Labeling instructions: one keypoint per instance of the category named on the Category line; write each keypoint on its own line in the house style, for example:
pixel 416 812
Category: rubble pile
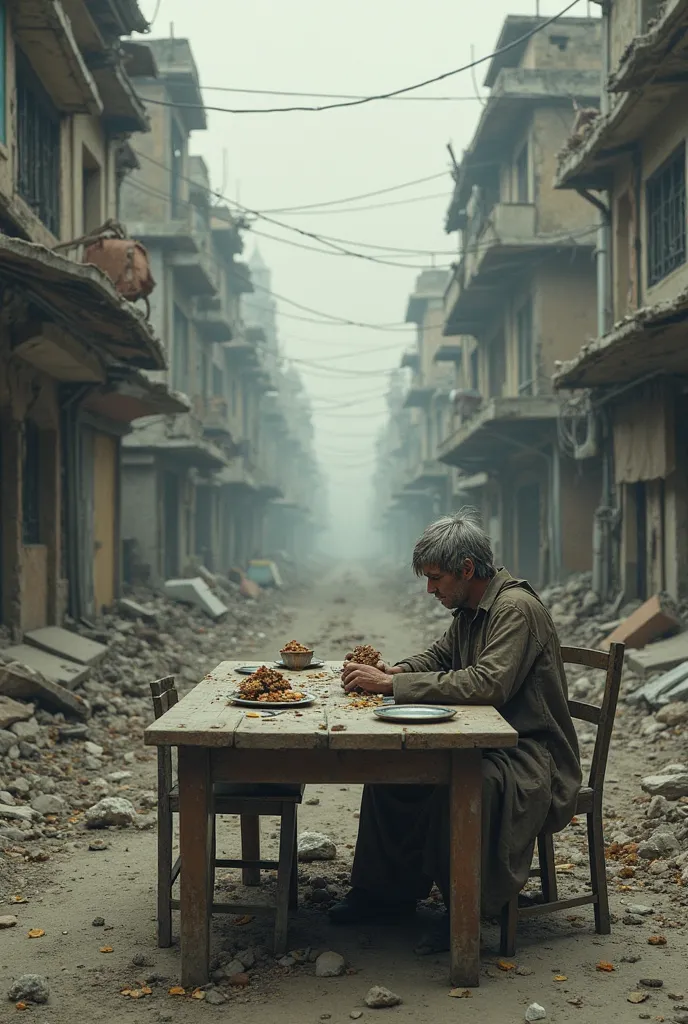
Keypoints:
pixel 60 776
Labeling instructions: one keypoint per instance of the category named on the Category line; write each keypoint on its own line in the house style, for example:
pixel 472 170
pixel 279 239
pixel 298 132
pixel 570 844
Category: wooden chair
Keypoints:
pixel 250 803
pixel 589 803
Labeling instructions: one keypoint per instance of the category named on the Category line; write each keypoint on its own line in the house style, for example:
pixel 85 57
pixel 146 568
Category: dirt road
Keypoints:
pixel 556 963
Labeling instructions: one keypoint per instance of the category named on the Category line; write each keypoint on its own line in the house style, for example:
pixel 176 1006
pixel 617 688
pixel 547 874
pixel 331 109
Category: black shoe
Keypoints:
pixel 360 907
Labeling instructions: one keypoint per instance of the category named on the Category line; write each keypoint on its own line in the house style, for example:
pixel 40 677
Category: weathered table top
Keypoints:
pixel 206 717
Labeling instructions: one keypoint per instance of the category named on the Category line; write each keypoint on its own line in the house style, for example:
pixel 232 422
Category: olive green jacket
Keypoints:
pixel 506 654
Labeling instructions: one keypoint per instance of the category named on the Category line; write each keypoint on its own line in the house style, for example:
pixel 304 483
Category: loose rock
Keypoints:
pixel 316 846
pixel 535 1012
pixel 113 810
pixel 661 843
pixel 48 803
pixel 672 785
pixel 379 998
pixel 29 988
pixel 7 921
pixel 330 965
pixel 214 997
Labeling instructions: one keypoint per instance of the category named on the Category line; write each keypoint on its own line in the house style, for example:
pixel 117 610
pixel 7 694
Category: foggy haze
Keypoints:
pixel 270 161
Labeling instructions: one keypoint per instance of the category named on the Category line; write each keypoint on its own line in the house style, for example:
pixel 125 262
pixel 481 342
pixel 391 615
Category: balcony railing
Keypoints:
pixel 38 147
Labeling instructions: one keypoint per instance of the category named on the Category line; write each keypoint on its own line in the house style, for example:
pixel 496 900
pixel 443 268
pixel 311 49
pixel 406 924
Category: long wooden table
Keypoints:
pixel 328 742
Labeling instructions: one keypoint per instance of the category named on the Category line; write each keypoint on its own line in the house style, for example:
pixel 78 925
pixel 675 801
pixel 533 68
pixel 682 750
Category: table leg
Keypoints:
pixel 195 841
pixel 465 802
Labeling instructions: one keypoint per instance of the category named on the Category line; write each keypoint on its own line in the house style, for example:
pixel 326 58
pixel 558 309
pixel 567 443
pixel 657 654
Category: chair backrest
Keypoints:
pixel 603 717
pixel 164 694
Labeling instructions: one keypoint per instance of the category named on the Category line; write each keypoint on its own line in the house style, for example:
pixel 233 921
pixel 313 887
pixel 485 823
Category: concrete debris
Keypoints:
pixel 53 668
pixel 658 617
pixel 535 1012
pixel 110 811
pixel 660 656
pixel 330 965
pixel 15 813
pixel 662 843
pixel 379 998
pixel 658 691
pixel 196 592
pixel 8 921
pixel 12 711
pixel 674 714
pixel 20 681
pixel 133 610
pixel 672 785
pixel 315 846
pixel 64 644
pixel 29 988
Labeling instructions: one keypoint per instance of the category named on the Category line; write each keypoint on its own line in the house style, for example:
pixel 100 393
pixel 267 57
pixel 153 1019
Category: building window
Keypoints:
pixel 180 352
pixel 524 342
pixel 31 484
pixel 177 169
pixel 474 370
pixel 666 217
pixel 38 147
pixel 522 176
pixel 3 71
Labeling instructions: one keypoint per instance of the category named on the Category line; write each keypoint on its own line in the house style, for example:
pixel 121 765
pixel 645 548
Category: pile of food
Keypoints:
pixel 294 647
pixel 364 654
pixel 267 685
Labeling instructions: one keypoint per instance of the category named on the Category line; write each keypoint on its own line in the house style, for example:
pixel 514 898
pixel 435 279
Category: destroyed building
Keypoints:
pixel 74 351
pixel 630 376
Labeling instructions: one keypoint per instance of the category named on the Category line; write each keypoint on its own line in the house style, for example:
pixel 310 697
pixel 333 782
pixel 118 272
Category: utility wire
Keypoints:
pixel 331 95
pixel 362 195
pixel 379 96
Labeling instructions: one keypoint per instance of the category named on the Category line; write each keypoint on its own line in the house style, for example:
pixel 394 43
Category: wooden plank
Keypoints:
pixel 473 726
pixel 195 844
pixel 204 717
pixel 329 766
pixel 465 804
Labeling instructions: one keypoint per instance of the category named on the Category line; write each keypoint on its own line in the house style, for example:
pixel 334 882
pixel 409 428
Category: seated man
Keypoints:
pixel 501 649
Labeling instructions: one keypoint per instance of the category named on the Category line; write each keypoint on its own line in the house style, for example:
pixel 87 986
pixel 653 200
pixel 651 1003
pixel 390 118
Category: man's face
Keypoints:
pixel 450 590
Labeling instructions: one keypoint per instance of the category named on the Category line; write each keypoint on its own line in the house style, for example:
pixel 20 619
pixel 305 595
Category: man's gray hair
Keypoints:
pixel 450 540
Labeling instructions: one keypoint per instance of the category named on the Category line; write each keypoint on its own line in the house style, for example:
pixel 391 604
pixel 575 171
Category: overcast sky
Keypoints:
pixel 271 161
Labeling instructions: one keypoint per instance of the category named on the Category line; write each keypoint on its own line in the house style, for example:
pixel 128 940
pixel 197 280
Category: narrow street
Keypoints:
pixel 557 956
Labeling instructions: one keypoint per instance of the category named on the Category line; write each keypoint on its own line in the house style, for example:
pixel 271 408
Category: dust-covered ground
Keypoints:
pixel 87 963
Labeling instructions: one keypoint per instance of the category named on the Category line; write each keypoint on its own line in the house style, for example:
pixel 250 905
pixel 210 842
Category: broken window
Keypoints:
pixel 665 193
pixel 31 485
pixel 38 146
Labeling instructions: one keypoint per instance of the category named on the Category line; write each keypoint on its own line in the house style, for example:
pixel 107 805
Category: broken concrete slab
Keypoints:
pixel 653 692
pixel 264 572
pixel 12 711
pixel 134 610
pixel 17 680
pixel 657 617
pixel 678 692
pixel 196 592
pixel 57 670
pixel 64 644
pixel 660 656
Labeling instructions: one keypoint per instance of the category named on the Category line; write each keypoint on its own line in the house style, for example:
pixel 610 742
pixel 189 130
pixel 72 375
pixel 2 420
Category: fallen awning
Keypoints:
pixel 83 300
pixel 653 339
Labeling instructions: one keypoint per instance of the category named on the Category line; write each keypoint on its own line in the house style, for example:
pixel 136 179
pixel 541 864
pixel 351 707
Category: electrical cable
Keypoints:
pixel 329 95
pixel 379 96
pixel 362 195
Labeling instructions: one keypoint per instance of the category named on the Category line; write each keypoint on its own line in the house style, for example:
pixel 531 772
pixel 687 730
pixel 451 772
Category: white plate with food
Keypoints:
pixel 300 700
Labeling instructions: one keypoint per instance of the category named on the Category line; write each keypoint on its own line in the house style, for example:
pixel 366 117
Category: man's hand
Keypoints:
pixel 366 679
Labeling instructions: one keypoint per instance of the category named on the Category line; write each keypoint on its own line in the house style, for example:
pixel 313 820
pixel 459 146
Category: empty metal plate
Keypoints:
pixel 422 714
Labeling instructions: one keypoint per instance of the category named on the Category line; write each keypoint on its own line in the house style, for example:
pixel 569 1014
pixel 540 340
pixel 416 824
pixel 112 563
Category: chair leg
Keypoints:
pixel 213 858
pixel 250 848
pixel 164 875
pixel 548 874
pixel 284 876
pixel 598 873
pixel 294 879
pixel 507 938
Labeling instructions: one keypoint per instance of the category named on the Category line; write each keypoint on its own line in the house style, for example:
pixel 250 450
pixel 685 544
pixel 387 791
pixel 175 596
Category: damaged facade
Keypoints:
pixel 197 486
pixel 73 350
pixel 521 297
pixel 630 380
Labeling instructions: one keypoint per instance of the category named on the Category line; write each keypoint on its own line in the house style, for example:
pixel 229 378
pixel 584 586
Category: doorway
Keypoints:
pixel 640 500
